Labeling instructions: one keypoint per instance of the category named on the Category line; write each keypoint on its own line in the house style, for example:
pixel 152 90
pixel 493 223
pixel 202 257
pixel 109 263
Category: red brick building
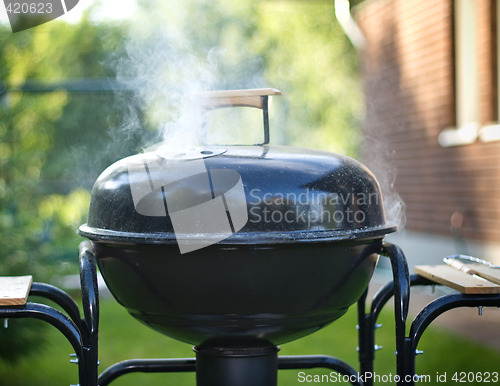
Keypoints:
pixel 430 71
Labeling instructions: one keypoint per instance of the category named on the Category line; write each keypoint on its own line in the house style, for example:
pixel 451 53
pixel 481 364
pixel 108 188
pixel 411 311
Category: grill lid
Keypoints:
pixel 236 195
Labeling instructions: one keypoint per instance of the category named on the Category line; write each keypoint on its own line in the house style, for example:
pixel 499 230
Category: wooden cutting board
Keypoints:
pixel 14 290
pixel 461 281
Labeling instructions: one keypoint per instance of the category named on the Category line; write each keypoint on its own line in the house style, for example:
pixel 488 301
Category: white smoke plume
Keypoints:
pixel 171 59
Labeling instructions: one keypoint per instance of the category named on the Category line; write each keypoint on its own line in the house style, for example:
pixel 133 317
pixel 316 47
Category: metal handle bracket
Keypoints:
pixel 258 98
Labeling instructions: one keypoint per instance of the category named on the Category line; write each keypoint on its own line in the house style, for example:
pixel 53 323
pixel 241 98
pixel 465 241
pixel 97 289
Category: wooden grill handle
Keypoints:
pixel 226 98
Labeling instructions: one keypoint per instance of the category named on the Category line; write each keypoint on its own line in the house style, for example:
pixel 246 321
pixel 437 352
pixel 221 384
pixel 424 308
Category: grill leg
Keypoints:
pixel 401 303
pixel 236 367
pixel 90 323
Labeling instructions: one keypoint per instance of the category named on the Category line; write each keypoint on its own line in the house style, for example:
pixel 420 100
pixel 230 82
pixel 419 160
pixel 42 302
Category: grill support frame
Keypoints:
pixel 82 332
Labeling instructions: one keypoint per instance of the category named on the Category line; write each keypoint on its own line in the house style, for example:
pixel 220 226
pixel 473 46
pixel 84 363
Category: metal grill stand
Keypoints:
pixel 406 345
pixel 425 317
pixel 247 367
pixel 238 367
pixel 80 332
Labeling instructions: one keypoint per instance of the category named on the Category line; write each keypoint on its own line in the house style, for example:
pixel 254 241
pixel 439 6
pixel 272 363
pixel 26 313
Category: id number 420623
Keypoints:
pixel 479 377
pixel 29 8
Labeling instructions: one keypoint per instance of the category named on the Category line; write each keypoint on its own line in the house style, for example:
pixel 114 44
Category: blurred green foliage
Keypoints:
pixel 310 59
pixel 54 145
pixel 48 146
pixel 40 197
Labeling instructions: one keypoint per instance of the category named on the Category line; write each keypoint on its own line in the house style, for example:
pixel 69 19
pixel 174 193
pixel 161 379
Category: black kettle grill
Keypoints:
pixel 237 249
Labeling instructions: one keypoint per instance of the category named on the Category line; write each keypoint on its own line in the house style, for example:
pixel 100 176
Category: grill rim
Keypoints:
pixel 249 238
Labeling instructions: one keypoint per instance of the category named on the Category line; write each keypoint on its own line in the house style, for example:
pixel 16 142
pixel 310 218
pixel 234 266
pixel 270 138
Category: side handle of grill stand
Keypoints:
pixel 90 302
pixel 258 98
pixel 80 332
pixel 400 289
pixel 401 278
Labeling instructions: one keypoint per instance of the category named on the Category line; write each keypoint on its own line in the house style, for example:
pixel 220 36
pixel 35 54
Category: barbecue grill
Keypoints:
pixel 278 242
pixel 237 249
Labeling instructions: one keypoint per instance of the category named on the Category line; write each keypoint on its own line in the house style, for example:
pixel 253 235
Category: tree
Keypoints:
pixel 308 56
pixel 43 197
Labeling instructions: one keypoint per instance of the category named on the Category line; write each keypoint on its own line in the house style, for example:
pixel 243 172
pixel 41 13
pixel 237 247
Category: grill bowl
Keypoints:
pixel 238 295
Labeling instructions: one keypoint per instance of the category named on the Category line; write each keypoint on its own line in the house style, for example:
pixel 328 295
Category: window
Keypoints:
pixel 491 132
pixel 466 77
pixel 468 121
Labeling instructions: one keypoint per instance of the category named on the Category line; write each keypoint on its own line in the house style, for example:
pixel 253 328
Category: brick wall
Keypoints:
pixel 409 88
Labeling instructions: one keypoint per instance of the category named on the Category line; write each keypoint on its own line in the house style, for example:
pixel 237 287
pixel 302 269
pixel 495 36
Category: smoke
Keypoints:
pixel 165 74
pixel 393 203
pixel 175 51
pixel 378 158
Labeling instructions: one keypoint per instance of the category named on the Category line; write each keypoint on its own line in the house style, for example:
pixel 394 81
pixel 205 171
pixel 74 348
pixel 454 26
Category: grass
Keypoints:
pixel 122 337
